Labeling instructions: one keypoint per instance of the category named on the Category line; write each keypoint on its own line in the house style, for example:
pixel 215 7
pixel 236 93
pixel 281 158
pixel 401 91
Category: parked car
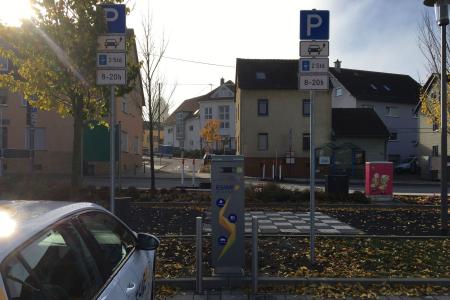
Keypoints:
pixel 407 165
pixel 62 250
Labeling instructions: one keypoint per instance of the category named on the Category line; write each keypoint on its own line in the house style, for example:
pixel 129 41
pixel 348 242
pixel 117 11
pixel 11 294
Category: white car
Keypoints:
pixel 63 250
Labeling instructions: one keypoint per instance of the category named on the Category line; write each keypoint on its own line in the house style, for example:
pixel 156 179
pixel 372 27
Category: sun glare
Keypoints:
pixel 7 225
pixel 12 12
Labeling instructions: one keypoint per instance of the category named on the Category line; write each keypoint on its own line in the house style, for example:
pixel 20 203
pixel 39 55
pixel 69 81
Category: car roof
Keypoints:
pixel 31 217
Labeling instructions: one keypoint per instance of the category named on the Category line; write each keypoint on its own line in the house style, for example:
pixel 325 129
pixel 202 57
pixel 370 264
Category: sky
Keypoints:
pixel 375 35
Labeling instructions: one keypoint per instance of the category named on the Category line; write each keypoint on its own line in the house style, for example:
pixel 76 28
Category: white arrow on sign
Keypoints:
pixel 111 43
pixel 314 48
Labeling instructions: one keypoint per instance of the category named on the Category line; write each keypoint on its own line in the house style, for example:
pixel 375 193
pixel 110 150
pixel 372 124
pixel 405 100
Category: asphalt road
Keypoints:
pixel 168 175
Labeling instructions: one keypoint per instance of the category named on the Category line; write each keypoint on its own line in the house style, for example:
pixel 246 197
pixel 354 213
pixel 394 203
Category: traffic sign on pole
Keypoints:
pixel 314 24
pixel 313 65
pixel 111 60
pixel 115 17
pixel 317 82
pixel 111 77
pixel 111 43
pixel 314 48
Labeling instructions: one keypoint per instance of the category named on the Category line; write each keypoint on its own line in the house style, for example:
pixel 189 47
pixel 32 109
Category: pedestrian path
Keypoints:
pixel 286 222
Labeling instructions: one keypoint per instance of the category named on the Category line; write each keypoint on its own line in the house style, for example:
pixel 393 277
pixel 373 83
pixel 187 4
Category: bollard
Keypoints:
pixel 273 172
pixel 198 255
pixel 254 254
pixel 182 172
pixel 264 172
pixel 279 174
pixel 193 172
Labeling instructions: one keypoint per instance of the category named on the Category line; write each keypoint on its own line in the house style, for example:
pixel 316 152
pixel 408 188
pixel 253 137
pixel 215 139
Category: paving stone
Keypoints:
pixel 257 213
pixel 289 230
pixel 291 217
pixel 297 222
pixel 302 227
pixel 342 227
pixel 320 224
pixel 273 215
pixel 286 212
pixel 283 224
pixel 182 296
pixel 234 297
pixel 442 297
pixel 331 221
pixel 278 219
pixel 268 229
pixel 333 231
pixel 264 221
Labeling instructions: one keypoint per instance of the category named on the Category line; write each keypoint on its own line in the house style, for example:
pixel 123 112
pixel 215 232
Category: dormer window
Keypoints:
pixel 373 86
pixel 386 88
pixel 260 75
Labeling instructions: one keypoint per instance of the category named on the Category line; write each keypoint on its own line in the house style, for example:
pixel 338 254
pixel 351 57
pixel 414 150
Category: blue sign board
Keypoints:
pixel 115 17
pixel 314 24
pixel 305 66
pixel 102 60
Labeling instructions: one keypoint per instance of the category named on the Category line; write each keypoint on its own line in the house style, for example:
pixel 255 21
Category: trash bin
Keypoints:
pixel 122 208
pixel 336 184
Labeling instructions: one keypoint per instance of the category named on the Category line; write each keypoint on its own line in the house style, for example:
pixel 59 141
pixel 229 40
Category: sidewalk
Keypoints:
pixel 240 295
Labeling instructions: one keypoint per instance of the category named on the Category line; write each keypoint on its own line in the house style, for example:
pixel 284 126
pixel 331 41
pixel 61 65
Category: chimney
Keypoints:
pixel 222 81
pixel 337 65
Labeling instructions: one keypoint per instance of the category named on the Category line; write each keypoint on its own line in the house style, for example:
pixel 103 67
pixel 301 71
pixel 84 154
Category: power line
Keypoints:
pixel 194 61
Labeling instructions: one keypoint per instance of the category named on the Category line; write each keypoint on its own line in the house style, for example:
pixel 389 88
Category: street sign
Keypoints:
pixel 314 24
pixel 111 77
pixel 115 17
pixel 314 48
pixel 111 60
pixel 313 65
pixel 313 82
pixel 111 43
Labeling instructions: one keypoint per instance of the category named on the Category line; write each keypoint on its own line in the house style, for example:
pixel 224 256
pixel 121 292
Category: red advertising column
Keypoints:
pixel 379 180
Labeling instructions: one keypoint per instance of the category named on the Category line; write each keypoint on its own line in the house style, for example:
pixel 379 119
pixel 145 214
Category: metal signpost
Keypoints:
pixel 111 70
pixel 313 75
pixel 227 214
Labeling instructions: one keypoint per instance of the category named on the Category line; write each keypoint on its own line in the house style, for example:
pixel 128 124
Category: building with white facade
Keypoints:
pixel 182 128
pixel 392 96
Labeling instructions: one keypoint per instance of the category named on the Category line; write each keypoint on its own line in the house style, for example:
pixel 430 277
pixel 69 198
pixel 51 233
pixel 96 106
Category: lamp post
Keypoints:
pixel 441 10
pixel 1 138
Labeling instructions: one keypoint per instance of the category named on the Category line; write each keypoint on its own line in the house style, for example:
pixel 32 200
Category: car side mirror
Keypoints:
pixel 147 241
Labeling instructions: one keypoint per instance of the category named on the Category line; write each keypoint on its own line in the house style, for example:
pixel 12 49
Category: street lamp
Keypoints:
pixel 441 10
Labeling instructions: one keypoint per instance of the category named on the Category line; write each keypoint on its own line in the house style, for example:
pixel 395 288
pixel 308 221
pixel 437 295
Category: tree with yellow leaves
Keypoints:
pixel 211 133
pixel 431 104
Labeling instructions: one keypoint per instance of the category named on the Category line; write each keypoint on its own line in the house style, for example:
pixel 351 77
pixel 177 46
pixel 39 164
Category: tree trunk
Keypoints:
pixel 77 103
pixel 152 157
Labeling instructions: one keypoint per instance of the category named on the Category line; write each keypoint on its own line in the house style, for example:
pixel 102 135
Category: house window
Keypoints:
pixel 263 107
pixel 367 106
pixel 208 113
pixel 306 107
pixel 3 64
pixel 260 75
pixel 23 101
pixel 360 157
pixel 3 97
pixel 38 141
pixel 124 141
pixel 191 128
pixel 224 116
pixel 393 136
pixel 263 141
pixel 435 150
pixel 338 91
pixel 124 106
pixel 435 126
pixel 391 111
pixel 373 86
pixel 191 142
pixel 169 130
pixel 387 88
pixel 306 141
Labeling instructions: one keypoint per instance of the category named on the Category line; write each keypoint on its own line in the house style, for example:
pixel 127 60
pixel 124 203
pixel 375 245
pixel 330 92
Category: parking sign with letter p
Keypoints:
pixel 314 24
pixel 115 17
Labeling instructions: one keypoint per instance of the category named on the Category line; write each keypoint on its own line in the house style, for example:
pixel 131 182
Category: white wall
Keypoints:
pixel 214 104
pixel 192 137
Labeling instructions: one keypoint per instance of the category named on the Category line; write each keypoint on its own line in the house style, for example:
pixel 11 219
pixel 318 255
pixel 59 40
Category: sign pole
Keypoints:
pixel 112 157
pixel 312 173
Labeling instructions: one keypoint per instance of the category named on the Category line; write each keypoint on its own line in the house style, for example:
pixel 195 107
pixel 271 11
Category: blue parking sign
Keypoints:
pixel 314 24
pixel 115 17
